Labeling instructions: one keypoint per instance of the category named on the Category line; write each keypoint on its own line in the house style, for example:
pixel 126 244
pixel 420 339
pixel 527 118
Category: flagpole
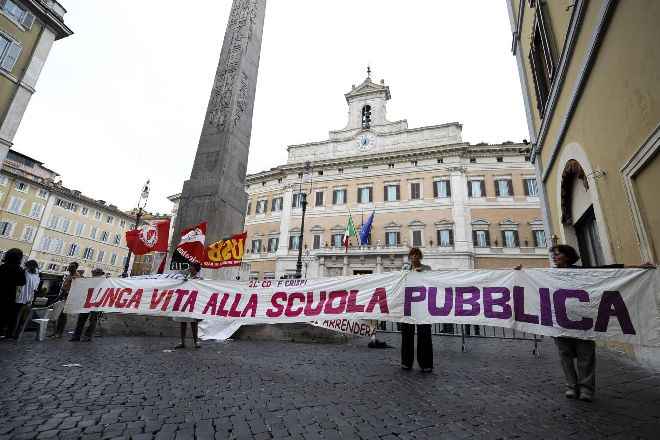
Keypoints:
pixel 142 203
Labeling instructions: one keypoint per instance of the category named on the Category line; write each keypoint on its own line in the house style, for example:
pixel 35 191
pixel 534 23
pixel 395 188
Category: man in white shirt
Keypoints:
pixel 25 295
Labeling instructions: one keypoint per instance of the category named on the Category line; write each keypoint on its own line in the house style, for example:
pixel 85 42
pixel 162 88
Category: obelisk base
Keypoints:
pixel 301 332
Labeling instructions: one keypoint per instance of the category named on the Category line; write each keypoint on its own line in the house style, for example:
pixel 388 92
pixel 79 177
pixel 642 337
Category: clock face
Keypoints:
pixel 365 142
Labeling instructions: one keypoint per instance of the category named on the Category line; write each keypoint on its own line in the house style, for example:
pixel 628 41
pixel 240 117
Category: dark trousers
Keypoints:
pixel 584 352
pixel 7 317
pixel 61 324
pixel 80 324
pixel 23 313
pixel 424 345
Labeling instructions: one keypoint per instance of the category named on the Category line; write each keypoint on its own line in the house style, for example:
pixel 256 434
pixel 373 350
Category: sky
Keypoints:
pixel 124 98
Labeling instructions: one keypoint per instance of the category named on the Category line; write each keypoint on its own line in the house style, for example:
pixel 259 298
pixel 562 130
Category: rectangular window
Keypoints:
pixel 113 259
pixel 80 228
pixel 297 200
pixel 318 198
pixel 53 267
pixel 365 194
pixel 122 224
pixel 542 58
pixel 392 238
pixel 37 210
pixel 109 219
pixel 97 215
pixel 65 225
pixel 6 229
pixel 417 238
pixel 100 257
pixel 261 207
pixel 339 197
pixel 415 191
pixel 337 240
pixel 104 236
pixel 273 244
pixel 441 189
pixel 531 188
pixel 44 244
pixel 73 250
pixel 56 246
pixel 476 188
pixel 503 188
pixel 9 53
pixel 510 239
pixel 65 204
pixel 117 239
pixel 276 204
pixel 92 234
pixel 42 193
pixel 88 254
pixel 53 222
pixel 294 242
pixel 16 205
pixel 85 210
pixel 539 238
pixel 317 242
pixel 256 246
pixel 392 193
pixel 481 238
pixel 445 238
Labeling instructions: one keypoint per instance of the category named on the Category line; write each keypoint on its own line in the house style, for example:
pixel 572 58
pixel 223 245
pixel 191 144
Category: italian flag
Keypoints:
pixel 349 232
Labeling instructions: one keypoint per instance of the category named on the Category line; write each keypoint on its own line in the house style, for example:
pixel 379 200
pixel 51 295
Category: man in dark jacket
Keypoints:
pixel 12 276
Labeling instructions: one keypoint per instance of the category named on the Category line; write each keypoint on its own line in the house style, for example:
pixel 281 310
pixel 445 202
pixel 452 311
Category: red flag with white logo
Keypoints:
pixel 191 248
pixel 149 238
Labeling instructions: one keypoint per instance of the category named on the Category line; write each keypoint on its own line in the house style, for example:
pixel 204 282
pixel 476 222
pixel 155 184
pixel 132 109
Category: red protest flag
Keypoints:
pixel 148 238
pixel 191 248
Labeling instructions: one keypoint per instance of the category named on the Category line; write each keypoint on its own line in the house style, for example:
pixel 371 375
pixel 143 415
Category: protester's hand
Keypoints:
pixel 518 267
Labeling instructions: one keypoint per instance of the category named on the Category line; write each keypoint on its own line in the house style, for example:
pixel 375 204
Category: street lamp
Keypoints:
pixel 142 202
pixel 307 260
pixel 303 195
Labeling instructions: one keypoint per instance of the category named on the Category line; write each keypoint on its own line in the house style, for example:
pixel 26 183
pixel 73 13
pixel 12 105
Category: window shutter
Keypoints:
pixel 435 189
pixel 27 21
pixel 371 194
pixel 510 184
pixel 448 183
pixel 345 198
pixel 290 241
pixel 385 199
pixel 474 238
pixel 451 237
pixel 398 192
pixel 359 195
pixel 526 186
pixel 272 205
pixel 515 239
pixel 398 238
pixel 469 188
pixel 334 197
pixel 503 239
pixel 11 56
pixel 482 184
pixel 497 188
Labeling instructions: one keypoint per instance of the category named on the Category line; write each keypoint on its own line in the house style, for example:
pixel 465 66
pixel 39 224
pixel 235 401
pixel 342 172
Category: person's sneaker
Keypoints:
pixel 405 367
pixel 179 346
pixel 427 370
pixel 570 393
pixel 586 395
pixel 198 345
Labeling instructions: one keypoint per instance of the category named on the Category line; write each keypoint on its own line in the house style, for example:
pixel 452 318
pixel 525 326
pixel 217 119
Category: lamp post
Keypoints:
pixel 142 202
pixel 303 202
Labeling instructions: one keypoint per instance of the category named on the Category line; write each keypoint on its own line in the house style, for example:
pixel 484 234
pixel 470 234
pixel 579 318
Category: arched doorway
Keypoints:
pixel 577 214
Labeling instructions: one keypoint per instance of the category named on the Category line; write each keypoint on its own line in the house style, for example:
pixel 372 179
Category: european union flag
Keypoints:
pixel 365 230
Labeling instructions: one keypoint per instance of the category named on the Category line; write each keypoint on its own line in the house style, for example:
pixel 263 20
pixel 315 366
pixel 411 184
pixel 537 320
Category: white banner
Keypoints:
pixel 608 304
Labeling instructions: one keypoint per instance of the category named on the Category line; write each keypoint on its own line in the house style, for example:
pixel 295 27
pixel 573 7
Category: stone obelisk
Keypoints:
pixel 215 192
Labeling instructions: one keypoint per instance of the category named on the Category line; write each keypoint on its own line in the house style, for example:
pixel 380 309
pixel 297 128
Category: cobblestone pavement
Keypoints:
pixel 137 388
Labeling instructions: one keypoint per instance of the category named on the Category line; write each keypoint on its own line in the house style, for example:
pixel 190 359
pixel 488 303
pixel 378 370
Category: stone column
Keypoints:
pixel 379 264
pixel 344 270
pixel 285 221
pixel 215 192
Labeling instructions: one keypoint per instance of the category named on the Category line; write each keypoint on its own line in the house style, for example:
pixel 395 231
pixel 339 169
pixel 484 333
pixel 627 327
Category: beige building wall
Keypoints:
pixel 596 142
pixel 28 29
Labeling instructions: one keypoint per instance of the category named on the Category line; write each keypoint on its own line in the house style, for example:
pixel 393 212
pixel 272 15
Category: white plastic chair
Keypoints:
pixel 49 314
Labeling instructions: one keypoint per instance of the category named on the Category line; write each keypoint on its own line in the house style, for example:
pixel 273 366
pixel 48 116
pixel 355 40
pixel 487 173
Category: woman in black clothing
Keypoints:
pixel 424 341
pixel 12 276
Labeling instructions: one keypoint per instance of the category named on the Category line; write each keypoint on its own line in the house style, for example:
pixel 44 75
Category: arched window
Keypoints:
pixel 366 116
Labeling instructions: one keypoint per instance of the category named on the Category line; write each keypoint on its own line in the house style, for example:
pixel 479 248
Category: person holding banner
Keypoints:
pixel 193 273
pixel 424 339
pixel 82 318
pixel 64 293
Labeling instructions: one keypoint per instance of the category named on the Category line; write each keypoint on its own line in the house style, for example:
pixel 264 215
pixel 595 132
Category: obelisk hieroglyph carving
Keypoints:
pixel 215 191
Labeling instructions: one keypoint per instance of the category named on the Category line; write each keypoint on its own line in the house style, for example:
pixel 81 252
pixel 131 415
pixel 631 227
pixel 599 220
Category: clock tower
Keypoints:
pixel 367 105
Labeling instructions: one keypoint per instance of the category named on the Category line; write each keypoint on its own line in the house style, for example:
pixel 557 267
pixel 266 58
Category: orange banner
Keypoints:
pixel 226 253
